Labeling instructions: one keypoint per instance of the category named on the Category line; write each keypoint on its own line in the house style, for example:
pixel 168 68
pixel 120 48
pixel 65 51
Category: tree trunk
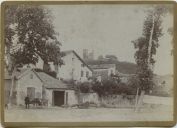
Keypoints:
pixel 140 101
pixel 136 98
pixel 12 87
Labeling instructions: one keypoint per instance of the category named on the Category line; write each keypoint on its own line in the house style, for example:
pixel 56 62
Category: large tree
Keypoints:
pixel 29 34
pixel 146 46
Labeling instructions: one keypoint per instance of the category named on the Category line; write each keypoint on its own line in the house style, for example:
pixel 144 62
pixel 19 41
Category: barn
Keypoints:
pixel 38 84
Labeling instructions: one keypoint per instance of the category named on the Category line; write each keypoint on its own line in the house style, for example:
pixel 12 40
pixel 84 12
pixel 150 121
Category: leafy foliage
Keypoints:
pixel 84 87
pixel 110 87
pixel 30 34
pixel 152 31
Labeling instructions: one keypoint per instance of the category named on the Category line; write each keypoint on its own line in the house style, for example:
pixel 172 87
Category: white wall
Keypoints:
pixel 112 69
pixel 28 80
pixel 72 69
pixel 85 69
pixel 49 96
pixel 72 97
pixel 90 97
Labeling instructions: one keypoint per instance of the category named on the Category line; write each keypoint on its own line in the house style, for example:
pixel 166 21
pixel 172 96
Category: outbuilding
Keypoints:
pixel 38 84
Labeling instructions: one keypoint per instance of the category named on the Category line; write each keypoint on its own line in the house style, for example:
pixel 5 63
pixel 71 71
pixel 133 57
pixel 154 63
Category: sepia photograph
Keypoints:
pixel 88 62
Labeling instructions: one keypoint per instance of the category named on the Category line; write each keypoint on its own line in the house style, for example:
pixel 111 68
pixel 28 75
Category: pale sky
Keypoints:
pixel 109 29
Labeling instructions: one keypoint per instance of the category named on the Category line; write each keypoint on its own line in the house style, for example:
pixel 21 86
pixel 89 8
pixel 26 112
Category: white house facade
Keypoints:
pixel 74 68
pixel 103 70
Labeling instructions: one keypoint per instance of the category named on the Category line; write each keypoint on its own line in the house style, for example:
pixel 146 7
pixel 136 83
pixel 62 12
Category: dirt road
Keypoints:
pixel 57 114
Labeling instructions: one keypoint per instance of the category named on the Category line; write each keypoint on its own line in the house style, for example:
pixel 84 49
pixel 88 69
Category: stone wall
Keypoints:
pixel 108 101
pixel 28 80
pixel 89 97
pixel 72 98
pixel 118 101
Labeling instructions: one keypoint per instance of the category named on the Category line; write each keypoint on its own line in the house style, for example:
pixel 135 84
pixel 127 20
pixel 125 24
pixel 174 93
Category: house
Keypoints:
pixel 103 71
pixel 74 68
pixel 38 85
pixel 125 77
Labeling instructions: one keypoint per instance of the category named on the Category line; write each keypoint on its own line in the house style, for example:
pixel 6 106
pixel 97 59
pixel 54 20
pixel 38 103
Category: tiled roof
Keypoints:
pixel 50 82
pixel 102 66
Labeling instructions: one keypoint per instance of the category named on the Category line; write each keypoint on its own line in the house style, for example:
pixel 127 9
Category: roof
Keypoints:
pixel 72 51
pixel 125 75
pixel 50 82
pixel 102 66
pixel 121 66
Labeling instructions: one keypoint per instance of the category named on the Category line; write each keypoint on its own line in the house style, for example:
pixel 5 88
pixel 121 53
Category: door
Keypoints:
pixel 58 98
pixel 31 92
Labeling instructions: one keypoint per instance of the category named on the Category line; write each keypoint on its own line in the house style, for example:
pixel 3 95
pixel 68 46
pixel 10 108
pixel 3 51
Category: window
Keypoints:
pixel 82 73
pixel 31 92
pixel 38 95
pixel 87 74
pixel 31 76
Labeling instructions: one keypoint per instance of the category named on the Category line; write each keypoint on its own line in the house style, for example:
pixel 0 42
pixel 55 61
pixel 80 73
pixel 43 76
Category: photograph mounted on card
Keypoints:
pixel 88 63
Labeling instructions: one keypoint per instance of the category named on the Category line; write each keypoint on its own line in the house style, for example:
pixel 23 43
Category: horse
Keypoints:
pixel 39 102
pixel 36 102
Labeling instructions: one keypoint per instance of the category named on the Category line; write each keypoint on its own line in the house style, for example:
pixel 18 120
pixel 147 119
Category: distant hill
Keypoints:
pixel 122 67
pixel 126 67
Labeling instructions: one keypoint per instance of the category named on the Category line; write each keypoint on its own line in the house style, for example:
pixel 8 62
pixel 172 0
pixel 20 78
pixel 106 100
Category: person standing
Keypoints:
pixel 27 100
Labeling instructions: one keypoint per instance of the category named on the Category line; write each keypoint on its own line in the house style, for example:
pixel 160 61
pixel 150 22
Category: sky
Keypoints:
pixel 109 29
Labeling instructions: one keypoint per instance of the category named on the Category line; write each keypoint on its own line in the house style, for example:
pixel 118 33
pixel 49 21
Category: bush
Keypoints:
pixel 84 105
pixel 84 87
pixel 109 87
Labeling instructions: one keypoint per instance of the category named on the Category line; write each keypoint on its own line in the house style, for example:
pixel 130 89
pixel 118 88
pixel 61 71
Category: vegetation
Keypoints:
pixel 146 46
pixel 29 35
pixel 106 88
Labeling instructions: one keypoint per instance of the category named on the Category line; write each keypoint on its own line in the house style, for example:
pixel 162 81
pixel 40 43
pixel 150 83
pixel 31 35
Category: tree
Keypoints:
pixel 146 48
pixel 29 34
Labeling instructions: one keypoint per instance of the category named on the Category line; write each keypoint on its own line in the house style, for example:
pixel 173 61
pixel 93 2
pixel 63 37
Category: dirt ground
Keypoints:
pixel 58 114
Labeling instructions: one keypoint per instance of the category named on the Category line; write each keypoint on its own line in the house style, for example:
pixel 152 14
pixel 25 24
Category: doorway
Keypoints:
pixel 58 98
pixel 31 92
